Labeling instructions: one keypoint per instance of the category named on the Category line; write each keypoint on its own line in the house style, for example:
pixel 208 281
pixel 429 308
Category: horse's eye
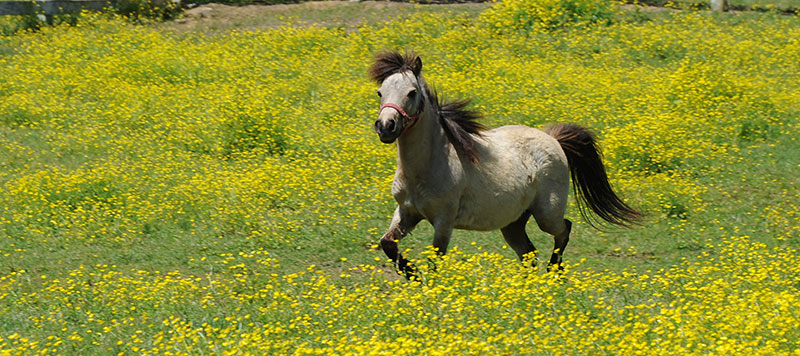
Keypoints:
pixel 379 94
pixel 412 94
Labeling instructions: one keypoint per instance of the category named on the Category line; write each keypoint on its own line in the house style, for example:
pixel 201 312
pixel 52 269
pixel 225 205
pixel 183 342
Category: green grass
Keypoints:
pixel 660 243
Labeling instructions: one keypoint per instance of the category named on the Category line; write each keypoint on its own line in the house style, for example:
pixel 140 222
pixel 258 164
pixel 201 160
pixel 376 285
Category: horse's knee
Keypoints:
pixel 389 246
pixel 387 242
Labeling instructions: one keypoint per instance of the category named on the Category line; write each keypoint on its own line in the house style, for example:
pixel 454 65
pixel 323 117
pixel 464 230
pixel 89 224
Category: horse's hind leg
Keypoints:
pixel 516 237
pixel 560 244
pixel 560 232
pixel 548 210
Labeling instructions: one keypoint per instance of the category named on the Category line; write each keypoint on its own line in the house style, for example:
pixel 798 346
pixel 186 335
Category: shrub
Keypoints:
pixel 532 16
pixel 148 9
pixel 11 24
pixel 135 10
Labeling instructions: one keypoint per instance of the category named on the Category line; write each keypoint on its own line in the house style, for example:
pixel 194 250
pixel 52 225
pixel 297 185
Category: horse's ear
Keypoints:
pixel 417 66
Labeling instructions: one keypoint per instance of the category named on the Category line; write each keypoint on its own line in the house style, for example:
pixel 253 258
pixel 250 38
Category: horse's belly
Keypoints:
pixel 478 224
pixel 491 213
pixel 487 221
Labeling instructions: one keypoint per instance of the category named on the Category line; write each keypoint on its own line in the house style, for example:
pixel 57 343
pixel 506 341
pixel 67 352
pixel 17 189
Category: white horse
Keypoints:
pixel 455 174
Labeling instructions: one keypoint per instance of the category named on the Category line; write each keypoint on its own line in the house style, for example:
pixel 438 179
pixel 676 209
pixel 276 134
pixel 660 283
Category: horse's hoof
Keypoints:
pixel 558 266
pixel 408 270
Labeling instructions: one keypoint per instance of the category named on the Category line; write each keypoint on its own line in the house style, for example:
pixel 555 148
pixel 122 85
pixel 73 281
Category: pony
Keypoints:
pixel 457 174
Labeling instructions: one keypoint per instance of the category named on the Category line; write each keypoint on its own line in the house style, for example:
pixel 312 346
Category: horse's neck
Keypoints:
pixel 419 149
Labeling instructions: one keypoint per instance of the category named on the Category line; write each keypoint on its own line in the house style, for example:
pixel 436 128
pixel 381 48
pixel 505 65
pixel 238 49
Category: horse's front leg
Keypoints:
pixel 442 230
pixel 402 224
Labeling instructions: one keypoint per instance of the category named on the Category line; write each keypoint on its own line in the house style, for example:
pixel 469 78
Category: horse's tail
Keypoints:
pixel 589 179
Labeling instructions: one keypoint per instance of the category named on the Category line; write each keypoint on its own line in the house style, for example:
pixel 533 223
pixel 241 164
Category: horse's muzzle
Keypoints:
pixel 388 129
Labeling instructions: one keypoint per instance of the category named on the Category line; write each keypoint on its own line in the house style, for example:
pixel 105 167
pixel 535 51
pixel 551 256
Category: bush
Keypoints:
pixel 148 9
pixel 136 10
pixel 11 24
pixel 533 16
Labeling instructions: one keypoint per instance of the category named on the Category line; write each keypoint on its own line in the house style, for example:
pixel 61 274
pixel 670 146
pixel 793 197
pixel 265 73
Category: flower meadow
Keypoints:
pixel 180 192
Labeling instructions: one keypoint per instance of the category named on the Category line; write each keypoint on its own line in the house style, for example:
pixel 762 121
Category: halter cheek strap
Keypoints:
pixel 410 120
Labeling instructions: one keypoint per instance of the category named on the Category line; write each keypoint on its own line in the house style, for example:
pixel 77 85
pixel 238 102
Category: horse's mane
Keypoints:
pixel 460 124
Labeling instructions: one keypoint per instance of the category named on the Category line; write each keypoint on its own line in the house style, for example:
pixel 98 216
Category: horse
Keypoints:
pixel 457 174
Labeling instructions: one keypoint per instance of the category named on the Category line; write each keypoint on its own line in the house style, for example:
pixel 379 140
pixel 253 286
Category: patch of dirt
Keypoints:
pixel 218 17
pixel 630 7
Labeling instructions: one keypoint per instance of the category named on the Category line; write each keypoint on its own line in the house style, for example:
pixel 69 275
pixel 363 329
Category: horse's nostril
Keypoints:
pixel 390 125
pixel 377 124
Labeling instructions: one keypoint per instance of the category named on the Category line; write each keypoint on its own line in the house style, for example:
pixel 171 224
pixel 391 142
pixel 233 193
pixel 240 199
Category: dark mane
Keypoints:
pixel 391 62
pixel 460 125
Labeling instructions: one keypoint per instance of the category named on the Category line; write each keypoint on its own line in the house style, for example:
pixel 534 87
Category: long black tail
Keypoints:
pixel 589 178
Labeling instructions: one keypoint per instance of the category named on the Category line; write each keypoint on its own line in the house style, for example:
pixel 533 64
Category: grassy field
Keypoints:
pixel 168 189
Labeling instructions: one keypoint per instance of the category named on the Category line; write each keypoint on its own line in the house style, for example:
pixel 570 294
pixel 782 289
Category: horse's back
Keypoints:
pixel 525 143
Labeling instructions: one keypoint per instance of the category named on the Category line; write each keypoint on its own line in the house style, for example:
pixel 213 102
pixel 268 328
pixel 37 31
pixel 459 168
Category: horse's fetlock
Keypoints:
pixel 555 259
pixel 407 268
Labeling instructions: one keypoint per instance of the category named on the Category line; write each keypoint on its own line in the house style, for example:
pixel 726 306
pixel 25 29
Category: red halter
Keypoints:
pixel 410 120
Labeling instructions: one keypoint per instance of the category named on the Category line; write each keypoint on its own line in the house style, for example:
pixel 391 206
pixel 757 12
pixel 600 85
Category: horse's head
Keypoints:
pixel 401 94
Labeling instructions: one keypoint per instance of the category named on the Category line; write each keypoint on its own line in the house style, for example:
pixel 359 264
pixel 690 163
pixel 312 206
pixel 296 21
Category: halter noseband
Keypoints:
pixel 410 120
